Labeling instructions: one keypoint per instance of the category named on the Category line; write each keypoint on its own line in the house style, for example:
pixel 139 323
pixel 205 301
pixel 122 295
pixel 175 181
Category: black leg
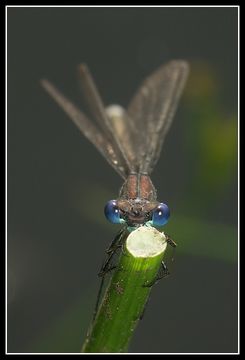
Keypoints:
pixel 163 272
pixel 172 244
pixel 170 241
pixel 115 241
pixel 116 244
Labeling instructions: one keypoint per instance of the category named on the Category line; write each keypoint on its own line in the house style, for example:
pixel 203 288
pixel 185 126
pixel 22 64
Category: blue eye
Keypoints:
pixel 112 212
pixel 160 215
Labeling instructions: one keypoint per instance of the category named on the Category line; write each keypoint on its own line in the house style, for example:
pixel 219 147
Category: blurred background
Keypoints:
pixel 58 183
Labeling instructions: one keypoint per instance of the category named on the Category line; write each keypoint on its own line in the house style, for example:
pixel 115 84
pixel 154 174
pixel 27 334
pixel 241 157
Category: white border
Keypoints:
pixel 130 6
pixel 238 170
pixel 6 189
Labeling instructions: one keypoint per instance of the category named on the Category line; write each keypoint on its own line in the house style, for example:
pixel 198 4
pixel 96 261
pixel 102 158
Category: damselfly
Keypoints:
pixel 131 141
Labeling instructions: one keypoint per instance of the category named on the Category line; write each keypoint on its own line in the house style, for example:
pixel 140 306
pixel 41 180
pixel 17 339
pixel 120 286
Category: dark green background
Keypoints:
pixel 58 183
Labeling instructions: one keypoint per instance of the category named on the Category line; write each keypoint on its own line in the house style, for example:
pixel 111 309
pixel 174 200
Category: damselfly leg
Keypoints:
pixel 107 267
pixel 116 244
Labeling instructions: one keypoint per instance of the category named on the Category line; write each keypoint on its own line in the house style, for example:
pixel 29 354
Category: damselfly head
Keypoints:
pixel 137 212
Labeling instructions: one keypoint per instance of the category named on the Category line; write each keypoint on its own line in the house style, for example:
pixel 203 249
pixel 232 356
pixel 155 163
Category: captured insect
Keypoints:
pixel 131 141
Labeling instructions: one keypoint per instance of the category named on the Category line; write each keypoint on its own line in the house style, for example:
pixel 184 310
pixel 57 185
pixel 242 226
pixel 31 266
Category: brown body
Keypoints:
pixel 137 199
pixel 130 140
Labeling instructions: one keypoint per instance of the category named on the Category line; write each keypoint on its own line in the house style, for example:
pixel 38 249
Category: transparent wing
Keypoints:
pixel 152 110
pixel 98 111
pixel 92 132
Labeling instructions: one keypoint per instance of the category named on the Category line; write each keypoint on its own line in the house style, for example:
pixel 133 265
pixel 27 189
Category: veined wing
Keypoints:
pixel 152 110
pixel 99 113
pixel 92 132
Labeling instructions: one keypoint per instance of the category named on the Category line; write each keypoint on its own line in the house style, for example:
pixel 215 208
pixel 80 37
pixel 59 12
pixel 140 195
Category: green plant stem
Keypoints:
pixel 127 293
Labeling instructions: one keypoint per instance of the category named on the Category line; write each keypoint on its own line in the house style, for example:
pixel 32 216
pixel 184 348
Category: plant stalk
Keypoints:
pixel 126 296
